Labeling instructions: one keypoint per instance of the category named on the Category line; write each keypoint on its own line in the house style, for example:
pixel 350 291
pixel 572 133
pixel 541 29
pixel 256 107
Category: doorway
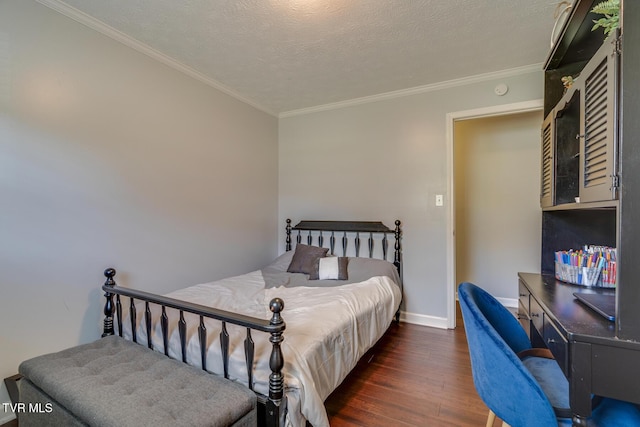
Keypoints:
pixel 494 218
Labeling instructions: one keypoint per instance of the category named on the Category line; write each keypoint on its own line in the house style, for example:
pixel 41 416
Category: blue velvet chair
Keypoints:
pixel 523 391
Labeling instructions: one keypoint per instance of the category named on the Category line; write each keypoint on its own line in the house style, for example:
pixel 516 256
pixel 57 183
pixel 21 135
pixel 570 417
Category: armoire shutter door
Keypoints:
pixel 598 132
pixel 546 184
pixel 596 127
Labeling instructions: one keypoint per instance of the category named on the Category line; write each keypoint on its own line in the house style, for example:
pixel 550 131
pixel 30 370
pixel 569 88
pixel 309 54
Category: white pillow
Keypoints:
pixel 328 268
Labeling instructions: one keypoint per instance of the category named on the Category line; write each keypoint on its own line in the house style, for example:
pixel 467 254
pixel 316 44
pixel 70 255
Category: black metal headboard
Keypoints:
pixel 344 227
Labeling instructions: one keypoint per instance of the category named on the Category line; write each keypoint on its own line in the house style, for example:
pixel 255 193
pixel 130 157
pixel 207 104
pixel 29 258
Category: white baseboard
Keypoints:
pixel 509 302
pixel 424 320
pixel 441 322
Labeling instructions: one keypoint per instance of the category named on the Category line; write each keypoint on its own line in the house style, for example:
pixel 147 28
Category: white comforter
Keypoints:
pixel 328 330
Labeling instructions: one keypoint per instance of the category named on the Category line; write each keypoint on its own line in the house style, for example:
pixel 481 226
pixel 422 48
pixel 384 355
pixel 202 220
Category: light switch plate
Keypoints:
pixel 439 200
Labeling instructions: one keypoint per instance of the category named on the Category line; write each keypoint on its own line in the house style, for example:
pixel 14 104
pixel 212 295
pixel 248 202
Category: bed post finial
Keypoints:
pixel 398 248
pixel 109 273
pixel 288 241
pixel 108 306
pixel 276 363
pixel 276 306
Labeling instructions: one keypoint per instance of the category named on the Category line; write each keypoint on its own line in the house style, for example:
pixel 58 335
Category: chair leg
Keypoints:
pixel 491 418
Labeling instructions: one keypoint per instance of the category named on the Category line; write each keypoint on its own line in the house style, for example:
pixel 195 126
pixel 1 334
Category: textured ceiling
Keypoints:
pixel 285 55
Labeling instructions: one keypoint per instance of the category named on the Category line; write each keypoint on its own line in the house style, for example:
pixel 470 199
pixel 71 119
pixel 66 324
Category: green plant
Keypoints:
pixel 611 11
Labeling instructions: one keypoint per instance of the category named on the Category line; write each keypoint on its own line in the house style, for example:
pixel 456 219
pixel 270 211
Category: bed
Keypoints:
pixel 336 305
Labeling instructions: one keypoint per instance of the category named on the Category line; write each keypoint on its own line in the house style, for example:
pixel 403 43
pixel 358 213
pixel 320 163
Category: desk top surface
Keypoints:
pixel 577 321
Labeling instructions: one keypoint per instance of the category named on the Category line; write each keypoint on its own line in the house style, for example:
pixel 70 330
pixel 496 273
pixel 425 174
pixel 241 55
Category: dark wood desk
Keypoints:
pixel 583 342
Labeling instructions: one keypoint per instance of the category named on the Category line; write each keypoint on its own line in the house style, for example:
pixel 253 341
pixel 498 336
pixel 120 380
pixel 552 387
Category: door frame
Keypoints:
pixel 451 118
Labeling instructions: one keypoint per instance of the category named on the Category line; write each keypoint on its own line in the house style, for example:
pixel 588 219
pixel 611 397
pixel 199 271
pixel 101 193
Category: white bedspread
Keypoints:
pixel 328 330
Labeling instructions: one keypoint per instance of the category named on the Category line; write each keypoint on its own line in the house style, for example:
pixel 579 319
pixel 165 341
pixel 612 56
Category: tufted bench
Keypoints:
pixel 114 382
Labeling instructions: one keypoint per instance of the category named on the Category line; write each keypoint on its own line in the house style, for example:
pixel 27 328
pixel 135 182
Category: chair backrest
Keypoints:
pixel 502 381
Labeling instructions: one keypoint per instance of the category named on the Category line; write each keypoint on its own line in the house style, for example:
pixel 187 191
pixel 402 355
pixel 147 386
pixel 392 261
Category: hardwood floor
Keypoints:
pixel 414 376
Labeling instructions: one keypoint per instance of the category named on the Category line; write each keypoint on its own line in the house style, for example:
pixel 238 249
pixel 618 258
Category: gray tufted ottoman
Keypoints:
pixel 114 382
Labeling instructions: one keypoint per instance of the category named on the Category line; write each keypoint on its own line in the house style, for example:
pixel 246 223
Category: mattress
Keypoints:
pixel 330 325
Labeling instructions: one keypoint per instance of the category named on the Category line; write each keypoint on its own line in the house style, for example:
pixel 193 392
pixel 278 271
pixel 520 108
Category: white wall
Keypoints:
pixel 497 206
pixel 109 158
pixel 385 160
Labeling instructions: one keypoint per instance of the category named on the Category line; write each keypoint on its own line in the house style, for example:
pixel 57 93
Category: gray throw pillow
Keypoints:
pixel 304 257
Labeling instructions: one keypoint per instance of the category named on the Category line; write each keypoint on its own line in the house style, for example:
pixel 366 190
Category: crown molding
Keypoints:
pixel 97 25
pixel 417 90
pixel 128 41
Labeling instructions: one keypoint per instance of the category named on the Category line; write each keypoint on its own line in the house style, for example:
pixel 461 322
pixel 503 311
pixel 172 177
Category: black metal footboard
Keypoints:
pixel 274 403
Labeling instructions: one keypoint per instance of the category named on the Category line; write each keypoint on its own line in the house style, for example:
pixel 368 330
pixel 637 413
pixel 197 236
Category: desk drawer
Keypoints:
pixel 524 319
pixel 523 296
pixel 536 314
pixel 523 307
pixel 558 345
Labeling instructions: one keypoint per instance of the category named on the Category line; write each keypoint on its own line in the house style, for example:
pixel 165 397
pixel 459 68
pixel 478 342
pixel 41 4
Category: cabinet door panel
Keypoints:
pixel 566 156
pixel 598 129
